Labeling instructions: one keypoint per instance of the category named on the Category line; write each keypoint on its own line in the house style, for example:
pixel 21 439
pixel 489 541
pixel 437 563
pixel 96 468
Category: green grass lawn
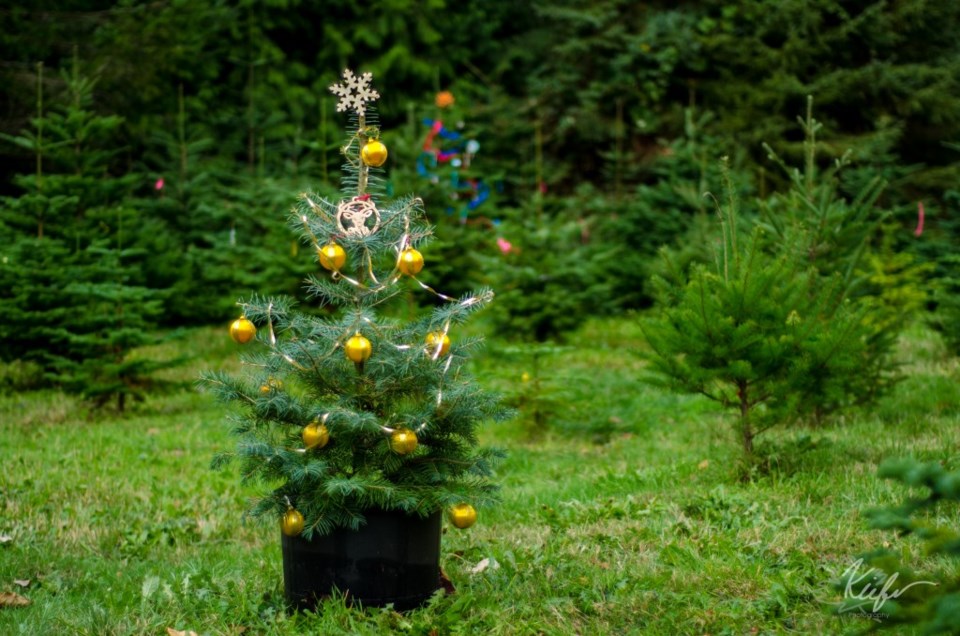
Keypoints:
pixel 629 512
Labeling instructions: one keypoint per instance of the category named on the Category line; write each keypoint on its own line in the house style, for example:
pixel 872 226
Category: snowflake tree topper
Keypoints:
pixel 354 92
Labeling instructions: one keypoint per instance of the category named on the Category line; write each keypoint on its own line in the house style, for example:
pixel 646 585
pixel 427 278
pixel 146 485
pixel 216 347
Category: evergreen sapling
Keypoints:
pixel 755 334
pixel 787 326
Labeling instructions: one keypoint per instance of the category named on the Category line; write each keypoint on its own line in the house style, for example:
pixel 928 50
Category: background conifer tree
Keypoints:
pixel 205 225
pixel 76 302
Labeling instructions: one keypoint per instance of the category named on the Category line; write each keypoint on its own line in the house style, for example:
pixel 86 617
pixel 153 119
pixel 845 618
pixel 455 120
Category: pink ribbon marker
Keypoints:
pixel 919 230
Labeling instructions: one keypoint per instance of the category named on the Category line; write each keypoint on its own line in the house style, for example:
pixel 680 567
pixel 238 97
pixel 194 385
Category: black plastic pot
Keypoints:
pixel 394 558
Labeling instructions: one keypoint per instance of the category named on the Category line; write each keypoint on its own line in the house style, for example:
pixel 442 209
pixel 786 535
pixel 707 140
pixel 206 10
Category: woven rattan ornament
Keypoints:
pixel 358 217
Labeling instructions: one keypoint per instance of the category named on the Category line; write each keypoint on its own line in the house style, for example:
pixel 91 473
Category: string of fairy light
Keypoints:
pixel 358 217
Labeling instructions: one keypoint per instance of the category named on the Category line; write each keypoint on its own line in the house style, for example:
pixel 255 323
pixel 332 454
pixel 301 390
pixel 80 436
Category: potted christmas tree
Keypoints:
pixel 363 422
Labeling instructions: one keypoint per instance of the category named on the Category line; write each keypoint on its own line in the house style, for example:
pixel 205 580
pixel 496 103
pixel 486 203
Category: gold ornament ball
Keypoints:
pixel 292 523
pixel 403 441
pixel 374 153
pixel 463 515
pixel 411 262
pixel 272 384
pixel 315 435
pixel 242 330
pixel 358 348
pixel 332 256
pixel 437 339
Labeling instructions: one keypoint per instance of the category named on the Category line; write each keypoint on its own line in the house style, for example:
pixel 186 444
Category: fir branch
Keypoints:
pixel 221 460
pixel 226 388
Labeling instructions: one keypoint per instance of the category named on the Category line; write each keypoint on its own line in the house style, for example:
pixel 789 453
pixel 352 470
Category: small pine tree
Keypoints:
pixel 75 304
pixel 843 240
pixel 756 333
pixel 180 209
pixel 353 410
pixel 32 273
pixel 790 325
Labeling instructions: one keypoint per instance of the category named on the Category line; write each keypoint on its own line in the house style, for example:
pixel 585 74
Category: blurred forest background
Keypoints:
pixel 753 201
pixel 150 152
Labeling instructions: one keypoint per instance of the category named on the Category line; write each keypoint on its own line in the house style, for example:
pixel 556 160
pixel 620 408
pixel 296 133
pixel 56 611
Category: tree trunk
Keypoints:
pixel 746 431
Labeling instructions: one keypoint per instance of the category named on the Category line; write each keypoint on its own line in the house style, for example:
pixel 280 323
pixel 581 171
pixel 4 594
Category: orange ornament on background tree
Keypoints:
pixel 444 99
